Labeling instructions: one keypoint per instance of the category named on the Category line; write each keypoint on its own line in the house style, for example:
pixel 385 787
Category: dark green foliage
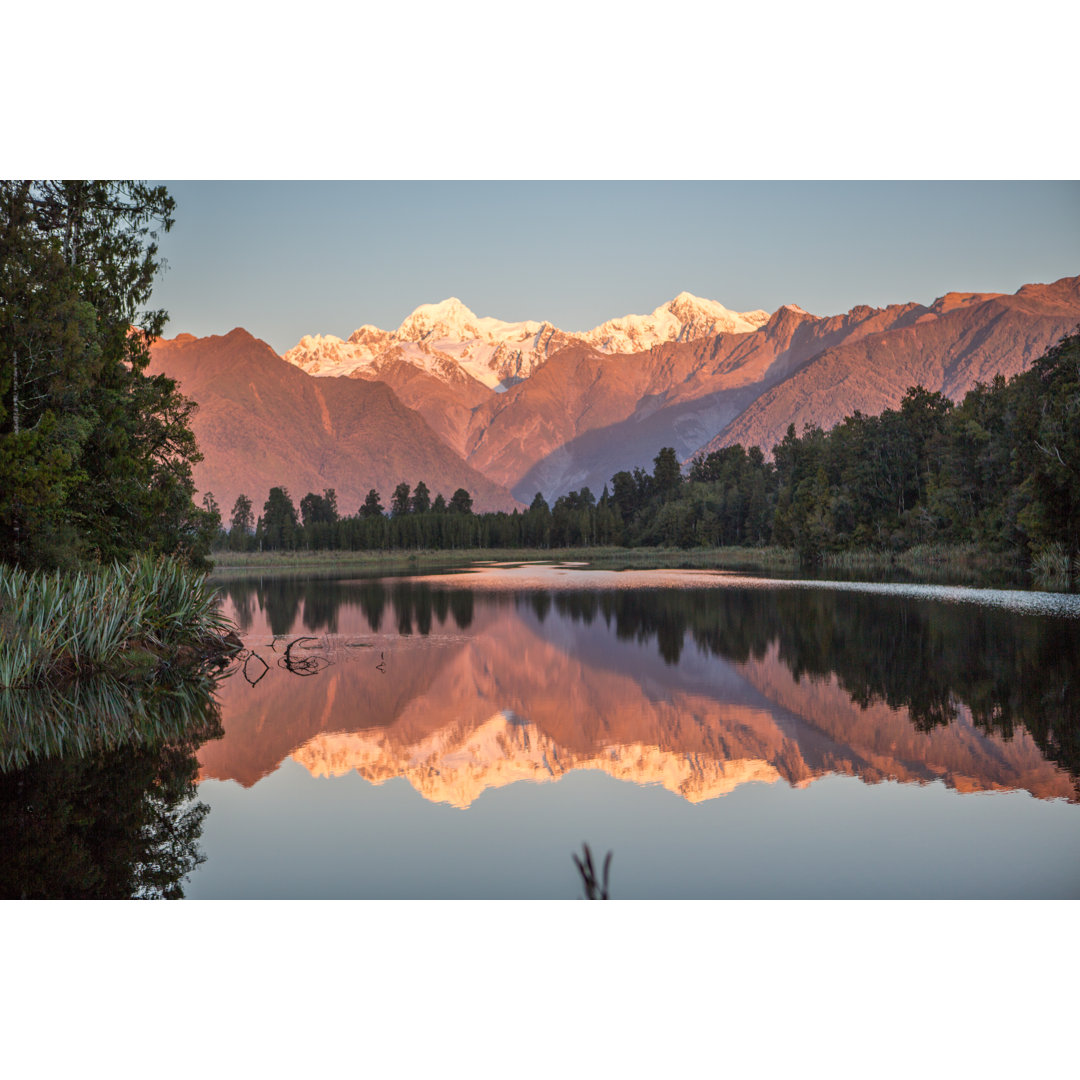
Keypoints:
pixel 372 507
pixel 242 525
pixel 279 522
pixel 399 501
pixel 461 502
pixel 1000 470
pixel 666 474
pixel 420 501
pixel 95 455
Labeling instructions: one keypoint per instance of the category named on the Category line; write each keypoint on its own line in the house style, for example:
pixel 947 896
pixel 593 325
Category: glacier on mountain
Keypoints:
pixel 449 341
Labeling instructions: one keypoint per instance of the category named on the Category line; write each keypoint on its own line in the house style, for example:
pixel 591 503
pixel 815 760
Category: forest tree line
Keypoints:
pixel 1000 470
pixel 95 453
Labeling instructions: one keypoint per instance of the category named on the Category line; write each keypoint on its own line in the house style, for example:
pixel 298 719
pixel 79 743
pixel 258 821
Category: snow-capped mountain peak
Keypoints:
pixel 447 338
pixel 449 318
pixel 685 318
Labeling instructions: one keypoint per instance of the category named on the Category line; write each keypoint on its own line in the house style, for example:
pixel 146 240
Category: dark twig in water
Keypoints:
pixel 295 641
pixel 594 889
pixel 308 665
pixel 254 656
pixel 381 666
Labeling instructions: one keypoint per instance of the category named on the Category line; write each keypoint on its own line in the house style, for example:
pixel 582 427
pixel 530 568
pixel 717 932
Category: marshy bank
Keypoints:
pixel 943 564
pixel 237 564
pixel 128 621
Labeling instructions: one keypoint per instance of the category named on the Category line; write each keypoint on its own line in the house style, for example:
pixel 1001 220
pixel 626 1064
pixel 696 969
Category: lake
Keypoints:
pixel 461 735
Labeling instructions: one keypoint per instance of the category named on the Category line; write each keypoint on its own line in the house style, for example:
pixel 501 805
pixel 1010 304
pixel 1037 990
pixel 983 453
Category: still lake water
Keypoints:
pixel 461 735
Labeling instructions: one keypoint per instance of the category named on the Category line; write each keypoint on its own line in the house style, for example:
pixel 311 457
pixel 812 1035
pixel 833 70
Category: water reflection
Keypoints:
pixel 97 789
pixel 699 691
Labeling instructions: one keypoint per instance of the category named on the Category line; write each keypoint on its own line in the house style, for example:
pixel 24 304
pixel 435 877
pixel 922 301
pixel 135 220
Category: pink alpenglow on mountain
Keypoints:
pixel 507 409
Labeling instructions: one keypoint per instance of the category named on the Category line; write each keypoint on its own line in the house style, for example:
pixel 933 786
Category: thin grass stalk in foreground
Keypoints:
pixel 596 888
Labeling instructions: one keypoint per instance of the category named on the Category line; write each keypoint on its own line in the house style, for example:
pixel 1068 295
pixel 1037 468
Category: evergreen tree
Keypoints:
pixel 372 507
pixel 399 501
pixel 420 502
pixel 95 455
pixel 242 523
pixel 279 521
pixel 461 502
pixel 667 475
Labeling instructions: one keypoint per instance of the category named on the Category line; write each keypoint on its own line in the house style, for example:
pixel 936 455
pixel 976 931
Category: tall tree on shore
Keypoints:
pixel 242 523
pixel 373 506
pixel 279 520
pixel 420 503
pixel 399 501
pixel 95 455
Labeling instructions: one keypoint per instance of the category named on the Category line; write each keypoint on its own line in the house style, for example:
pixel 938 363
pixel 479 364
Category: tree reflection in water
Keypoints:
pixel 923 655
pixel 97 789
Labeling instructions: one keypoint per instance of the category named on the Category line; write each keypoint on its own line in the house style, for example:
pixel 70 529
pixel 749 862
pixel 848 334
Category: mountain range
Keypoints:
pixel 507 409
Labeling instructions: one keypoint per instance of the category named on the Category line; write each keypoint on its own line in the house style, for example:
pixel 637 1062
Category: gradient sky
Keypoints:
pixel 284 259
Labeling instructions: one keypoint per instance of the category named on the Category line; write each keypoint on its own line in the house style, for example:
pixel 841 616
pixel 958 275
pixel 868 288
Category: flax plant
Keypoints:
pixel 53 625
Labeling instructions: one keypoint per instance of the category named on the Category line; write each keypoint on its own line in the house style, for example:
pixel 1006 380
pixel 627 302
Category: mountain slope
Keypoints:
pixel 584 415
pixel 263 423
pixel 958 341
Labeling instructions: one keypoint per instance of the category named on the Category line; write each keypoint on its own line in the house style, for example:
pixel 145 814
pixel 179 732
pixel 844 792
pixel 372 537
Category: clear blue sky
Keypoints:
pixel 283 259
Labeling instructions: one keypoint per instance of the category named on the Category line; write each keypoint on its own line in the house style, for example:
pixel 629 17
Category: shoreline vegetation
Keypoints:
pixel 987 485
pixel 138 621
pixel 962 563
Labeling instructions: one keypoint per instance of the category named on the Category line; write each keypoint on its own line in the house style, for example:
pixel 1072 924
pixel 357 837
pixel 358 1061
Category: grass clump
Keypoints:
pixel 1052 568
pixel 54 625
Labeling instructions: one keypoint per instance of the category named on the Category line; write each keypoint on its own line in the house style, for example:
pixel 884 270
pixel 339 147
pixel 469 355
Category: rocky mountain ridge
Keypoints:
pixel 449 341
pixel 521 408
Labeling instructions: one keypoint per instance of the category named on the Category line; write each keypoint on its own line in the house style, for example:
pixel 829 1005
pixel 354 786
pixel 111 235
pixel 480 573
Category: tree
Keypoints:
pixel 279 520
pixel 439 505
pixel 372 507
pixel 242 523
pixel 420 503
pixel 95 455
pixel 666 474
pixel 319 509
pixel 242 519
pixel 399 501
pixel 461 502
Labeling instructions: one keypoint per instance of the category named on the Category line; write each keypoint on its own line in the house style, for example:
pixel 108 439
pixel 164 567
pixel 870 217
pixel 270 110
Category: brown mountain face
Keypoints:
pixel 585 415
pixel 447 403
pixel 960 340
pixel 263 423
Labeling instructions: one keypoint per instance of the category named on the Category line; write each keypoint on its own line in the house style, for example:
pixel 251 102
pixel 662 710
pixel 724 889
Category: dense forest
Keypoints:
pixel 95 455
pixel 1000 470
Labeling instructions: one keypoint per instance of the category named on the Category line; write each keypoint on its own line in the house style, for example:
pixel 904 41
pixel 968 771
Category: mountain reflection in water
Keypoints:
pixel 462 690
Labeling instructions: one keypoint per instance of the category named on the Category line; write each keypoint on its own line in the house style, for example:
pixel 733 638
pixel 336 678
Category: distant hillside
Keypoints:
pixel 263 423
pixel 958 341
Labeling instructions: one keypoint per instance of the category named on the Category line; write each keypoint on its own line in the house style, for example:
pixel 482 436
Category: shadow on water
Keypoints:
pixel 97 789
